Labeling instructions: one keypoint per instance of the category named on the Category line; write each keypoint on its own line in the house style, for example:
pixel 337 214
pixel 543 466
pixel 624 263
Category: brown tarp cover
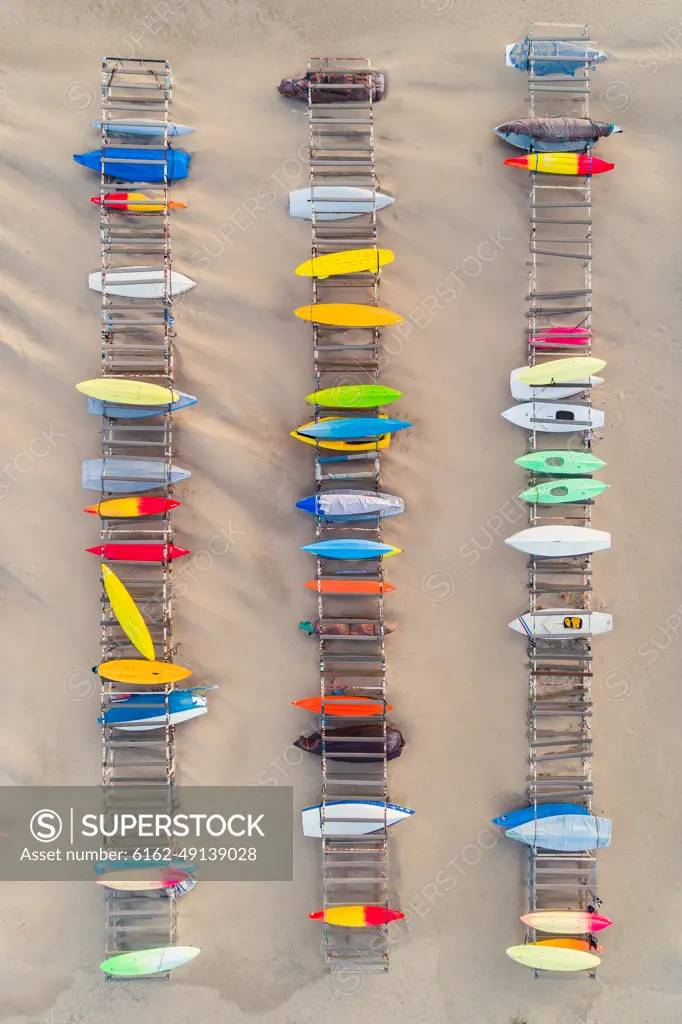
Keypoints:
pixel 558 129
pixel 370 737
pixel 297 88
pixel 352 629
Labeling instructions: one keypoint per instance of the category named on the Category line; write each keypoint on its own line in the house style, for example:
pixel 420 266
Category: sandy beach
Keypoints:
pixel 457 674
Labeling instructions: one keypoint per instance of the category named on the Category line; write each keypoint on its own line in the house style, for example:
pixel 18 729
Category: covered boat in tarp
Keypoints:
pixel 359 743
pixel 359 629
pixel 576 55
pixel 297 88
pixel 564 832
pixel 531 813
pixel 554 134
pixel 345 505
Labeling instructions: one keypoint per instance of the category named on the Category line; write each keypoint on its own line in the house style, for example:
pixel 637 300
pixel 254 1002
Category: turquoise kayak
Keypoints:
pixel 355 549
pixel 354 427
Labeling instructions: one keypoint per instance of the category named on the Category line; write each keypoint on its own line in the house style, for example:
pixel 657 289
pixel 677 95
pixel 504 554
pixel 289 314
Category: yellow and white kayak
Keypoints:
pixel 354 261
pixel 559 371
pixel 348 314
pixel 143 673
pixel 127 392
pixel 128 614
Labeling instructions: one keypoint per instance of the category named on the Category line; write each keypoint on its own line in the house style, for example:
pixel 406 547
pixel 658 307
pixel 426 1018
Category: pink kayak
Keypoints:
pixel 560 337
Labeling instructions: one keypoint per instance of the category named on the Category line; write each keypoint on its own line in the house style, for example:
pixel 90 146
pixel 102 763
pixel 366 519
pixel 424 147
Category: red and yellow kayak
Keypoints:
pixel 581 944
pixel 348 707
pixel 356 917
pixel 345 586
pixel 134 202
pixel 561 163
pixel 138 552
pixel 132 508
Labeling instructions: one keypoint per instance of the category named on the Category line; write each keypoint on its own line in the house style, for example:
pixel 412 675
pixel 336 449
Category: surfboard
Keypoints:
pixel 525 814
pixel 564 832
pixel 146 711
pixel 354 396
pixel 143 673
pixel 556 492
pixel 352 261
pixel 347 506
pixel 570 944
pixel 135 202
pixel 550 958
pixel 555 417
pixel 353 428
pixel 138 552
pixel 357 917
pixel 561 163
pixel 130 392
pixel 122 162
pixel 149 961
pixel 133 474
pixel 132 508
pixel 128 614
pixel 561 463
pixel 558 371
pixel 350 445
pixel 351 549
pixel 343 706
pixel 115 412
pixel 143 126
pixel 351 818
pixel 562 623
pixel 336 202
pixel 139 283
pixel 348 314
pixel 559 541
pixel 566 922
pixel 548 392
pixel 141 880
pixel 348 586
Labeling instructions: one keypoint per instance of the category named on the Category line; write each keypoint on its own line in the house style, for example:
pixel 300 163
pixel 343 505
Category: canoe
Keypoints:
pixel 348 314
pixel 348 586
pixel 343 706
pixel 345 506
pixel 130 169
pixel 351 549
pixel 351 818
pixel 143 126
pixel 137 474
pixel 130 392
pixel 525 814
pixel 135 202
pixel 353 428
pixel 356 917
pixel 559 541
pixel 570 944
pixel 142 880
pixel 132 508
pixel 138 552
pixel 145 711
pixel 548 392
pixel 554 134
pixel 575 55
pixel 317 86
pixel 358 744
pixel 142 673
pixel 560 337
pixel 566 922
pixel 354 396
pixel 561 163
pixel 555 417
pixel 563 623
pixel 549 958
pixel 560 371
pixel 556 492
pixel 360 445
pixel 335 202
pixel 149 961
pixel 346 627
pixel 128 614
pixel 560 463
pixel 139 282
pixel 96 407
pixel 353 261
pixel 564 832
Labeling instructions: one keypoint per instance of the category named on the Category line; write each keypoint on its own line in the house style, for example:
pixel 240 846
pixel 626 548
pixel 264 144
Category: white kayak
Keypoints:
pixel 335 202
pixel 139 282
pixel 346 817
pixel 559 541
pixel 554 417
pixel 564 623
pixel 143 126
pixel 565 832
pixel 120 475
pixel 548 392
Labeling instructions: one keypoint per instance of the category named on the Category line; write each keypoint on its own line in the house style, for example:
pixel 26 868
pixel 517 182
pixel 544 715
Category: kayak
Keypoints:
pixel 556 492
pixel 144 126
pixel 564 832
pixel 548 392
pixel 561 463
pixel 102 866
pixel 142 673
pixel 358 744
pixel 554 417
pixel 127 392
pixel 133 474
pixel 560 163
pixel 132 508
pixel 352 627
pixel 344 506
pixel 351 817
pixel 547 958
pixel 354 396
pixel 138 552
pixel 353 261
pixel 360 445
pixel 566 922
pixel 353 428
pixel 532 813
pixel 149 961
pixel 336 202
pixel 554 134
pixel 348 314
pixel 96 407
pixel 140 283
pixel 560 337
pixel 349 586
pixel 570 944
pixel 351 549
pixel 135 202
pixel 366 85
pixel 562 623
pixel 559 541
pixel 131 169
pixel 558 371
pixel 141 880
pixel 128 614
pixel 563 56
pixel 144 711
pixel 343 706
pixel 356 917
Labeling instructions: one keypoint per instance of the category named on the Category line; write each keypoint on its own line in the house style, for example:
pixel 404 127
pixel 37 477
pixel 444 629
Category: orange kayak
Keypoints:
pixel 348 707
pixel 356 917
pixel 582 944
pixel 343 586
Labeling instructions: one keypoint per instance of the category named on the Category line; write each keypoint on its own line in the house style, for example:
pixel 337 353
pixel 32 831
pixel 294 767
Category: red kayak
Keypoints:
pixel 138 552
pixel 560 337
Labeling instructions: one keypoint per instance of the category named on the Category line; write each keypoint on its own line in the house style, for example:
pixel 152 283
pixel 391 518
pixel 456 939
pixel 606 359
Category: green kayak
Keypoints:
pixel 560 463
pixel 354 396
pixel 554 492
pixel 149 961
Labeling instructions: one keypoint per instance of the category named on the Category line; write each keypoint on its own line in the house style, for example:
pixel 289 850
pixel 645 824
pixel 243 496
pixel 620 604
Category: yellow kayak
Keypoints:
pixel 128 614
pixel 553 958
pixel 559 371
pixel 354 261
pixel 342 446
pixel 143 673
pixel 348 314
pixel 127 392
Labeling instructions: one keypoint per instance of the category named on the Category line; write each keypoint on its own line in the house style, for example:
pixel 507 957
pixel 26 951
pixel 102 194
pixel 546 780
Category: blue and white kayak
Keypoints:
pixel 135 475
pixel 96 407
pixel 344 506
pixel 143 126
pixel 565 832
pixel 526 814
pixel 102 866
pixel 576 55
pixel 353 427
pixel 148 710
pixel 177 163
pixel 351 549
pixel 351 818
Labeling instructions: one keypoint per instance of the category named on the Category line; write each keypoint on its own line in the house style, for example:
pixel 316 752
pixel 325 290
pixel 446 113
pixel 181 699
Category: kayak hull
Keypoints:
pixel 149 961
pixel 96 476
pixel 132 508
pixel 138 552
pixel 346 818
pixel 343 706
pixel 356 917
pixel 559 541
pixel 350 549
pixel 353 261
pixel 526 814
pixel 560 463
pixel 96 407
pixel 142 673
pixel 176 161
pixel 348 314
pixel 566 922
pixel 555 417
pixel 562 623
pixel 557 492
pixel 347 586
pixel 354 396
pixel 351 506
pixel 139 283
pixel 334 202
pixel 128 614
pixel 127 392
pixel 560 371
pixel 552 958
pixel 564 832
pixel 353 428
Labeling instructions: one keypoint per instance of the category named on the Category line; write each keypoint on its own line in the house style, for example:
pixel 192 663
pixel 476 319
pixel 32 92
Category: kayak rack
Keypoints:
pixel 560 670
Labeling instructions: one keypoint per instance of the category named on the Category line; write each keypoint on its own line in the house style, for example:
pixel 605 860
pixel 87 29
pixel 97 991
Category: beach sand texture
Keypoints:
pixel 457 675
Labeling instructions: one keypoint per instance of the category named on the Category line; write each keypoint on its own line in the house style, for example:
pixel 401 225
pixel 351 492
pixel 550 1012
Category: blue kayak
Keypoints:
pixel 96 407
pixel 347 429
pixel 351 549
pixel 148 710
pixel 177 162
pixel 525 814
